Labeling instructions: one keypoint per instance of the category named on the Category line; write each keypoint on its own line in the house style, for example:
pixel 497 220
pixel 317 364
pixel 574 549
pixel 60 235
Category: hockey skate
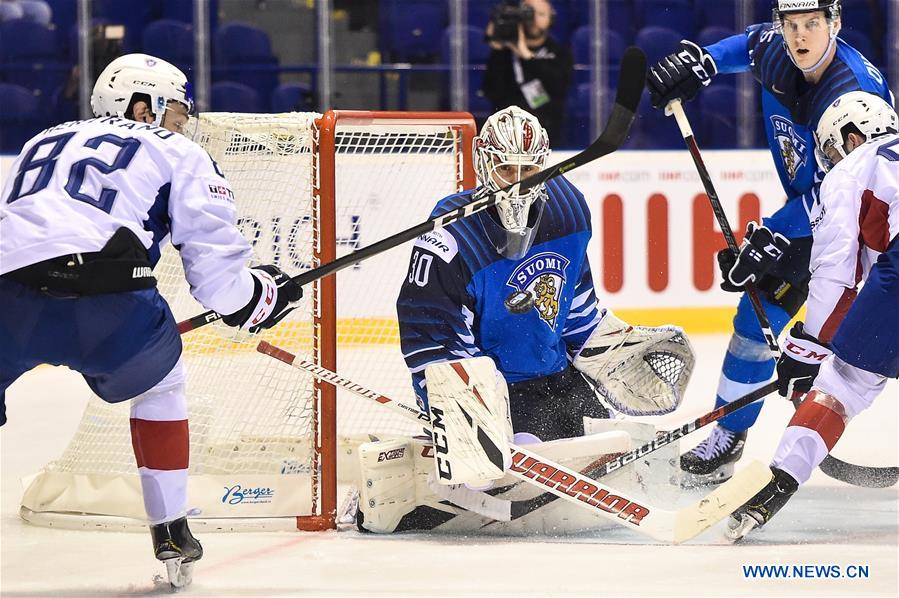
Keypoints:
pixel 763 506
pixel 176 547
pixel 713 460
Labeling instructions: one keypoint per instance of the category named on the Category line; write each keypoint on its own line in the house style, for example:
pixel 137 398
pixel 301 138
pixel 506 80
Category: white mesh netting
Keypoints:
pixel 252 418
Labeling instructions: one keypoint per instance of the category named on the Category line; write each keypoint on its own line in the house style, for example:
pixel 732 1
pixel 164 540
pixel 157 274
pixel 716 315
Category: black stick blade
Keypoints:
pixel 632 79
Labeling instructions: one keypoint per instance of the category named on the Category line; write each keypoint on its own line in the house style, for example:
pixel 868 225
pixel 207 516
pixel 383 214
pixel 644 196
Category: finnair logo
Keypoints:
pixel 797 4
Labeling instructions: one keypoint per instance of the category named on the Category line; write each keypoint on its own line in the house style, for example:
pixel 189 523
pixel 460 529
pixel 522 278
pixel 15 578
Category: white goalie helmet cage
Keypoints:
pixel 516 138
pixel 870 114
pixel 140 73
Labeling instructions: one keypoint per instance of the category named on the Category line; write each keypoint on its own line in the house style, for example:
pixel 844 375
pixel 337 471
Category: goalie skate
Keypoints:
pixel 176 547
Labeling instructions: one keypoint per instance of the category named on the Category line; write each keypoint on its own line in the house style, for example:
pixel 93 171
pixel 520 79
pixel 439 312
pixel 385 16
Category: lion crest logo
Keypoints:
pixel 543 275
pixel 793 148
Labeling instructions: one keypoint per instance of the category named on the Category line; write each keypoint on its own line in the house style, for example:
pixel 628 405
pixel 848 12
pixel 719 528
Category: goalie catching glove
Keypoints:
pixel 638 370
pixel 273 290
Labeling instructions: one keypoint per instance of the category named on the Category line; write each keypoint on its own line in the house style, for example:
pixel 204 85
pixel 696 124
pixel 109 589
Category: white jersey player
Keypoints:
pixel 83 214
pixel 849 344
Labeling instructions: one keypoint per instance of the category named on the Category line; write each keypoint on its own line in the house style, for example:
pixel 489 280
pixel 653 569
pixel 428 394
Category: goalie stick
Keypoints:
pixel 666 526
pixel 630 89
pixel 857 475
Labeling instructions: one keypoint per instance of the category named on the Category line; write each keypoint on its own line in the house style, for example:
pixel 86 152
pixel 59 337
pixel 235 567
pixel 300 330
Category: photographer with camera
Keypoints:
pixel 528 68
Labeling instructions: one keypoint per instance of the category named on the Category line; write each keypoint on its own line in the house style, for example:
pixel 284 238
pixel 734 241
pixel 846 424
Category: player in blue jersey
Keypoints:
pixel 504 336
pixel 802 67
pixel 453 304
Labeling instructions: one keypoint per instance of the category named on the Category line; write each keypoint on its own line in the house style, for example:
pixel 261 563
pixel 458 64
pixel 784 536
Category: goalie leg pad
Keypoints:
pixel 639 370
pixel 470 424
pixel 387 491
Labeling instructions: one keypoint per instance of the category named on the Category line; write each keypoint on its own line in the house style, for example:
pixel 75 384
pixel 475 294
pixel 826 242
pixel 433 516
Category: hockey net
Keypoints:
pixel 265 439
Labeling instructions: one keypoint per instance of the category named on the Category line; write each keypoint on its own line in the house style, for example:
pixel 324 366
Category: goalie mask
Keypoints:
pixel 140 74
pixel 857 112
pixel 512 146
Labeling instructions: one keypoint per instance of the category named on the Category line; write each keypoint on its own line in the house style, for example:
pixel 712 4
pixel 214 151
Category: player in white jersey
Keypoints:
pixel 83 215
pixel 849 344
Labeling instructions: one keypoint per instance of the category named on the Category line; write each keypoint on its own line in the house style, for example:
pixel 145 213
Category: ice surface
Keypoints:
pixel 827 523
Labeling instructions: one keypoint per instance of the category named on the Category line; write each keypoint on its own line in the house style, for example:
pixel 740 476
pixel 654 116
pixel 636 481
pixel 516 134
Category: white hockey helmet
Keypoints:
pixel 511 137
pixel 140 73
pixel 858 112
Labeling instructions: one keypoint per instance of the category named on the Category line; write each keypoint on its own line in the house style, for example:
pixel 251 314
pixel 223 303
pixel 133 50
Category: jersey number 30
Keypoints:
pixel 46 164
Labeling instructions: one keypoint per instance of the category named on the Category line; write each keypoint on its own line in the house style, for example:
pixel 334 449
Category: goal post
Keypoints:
pixel 269 443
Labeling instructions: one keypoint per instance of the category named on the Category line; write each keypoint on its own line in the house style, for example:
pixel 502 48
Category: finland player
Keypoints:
pixel 850 344
pixel 460 340
pixel 83 215
pixel 802 66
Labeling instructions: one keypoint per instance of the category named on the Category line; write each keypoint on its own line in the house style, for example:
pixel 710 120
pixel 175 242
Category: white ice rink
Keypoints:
pixel 826 523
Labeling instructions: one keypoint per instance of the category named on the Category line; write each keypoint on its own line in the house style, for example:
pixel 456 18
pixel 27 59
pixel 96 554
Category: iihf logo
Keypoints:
pixel 544 276
pixel 792 146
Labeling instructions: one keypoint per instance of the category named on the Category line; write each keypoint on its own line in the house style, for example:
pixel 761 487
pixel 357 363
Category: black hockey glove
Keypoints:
pixel 680 76
pixel 760 251
pixel 800 361
pixel 273 290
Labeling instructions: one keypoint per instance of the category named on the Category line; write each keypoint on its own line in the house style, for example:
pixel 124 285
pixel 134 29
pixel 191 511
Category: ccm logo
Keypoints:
pixel 444 469
pixel 804 353
pixel 390 455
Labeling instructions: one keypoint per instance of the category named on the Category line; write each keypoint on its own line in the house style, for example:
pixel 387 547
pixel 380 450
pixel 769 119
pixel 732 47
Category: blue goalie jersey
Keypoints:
pixel 791 108
pixel 451 305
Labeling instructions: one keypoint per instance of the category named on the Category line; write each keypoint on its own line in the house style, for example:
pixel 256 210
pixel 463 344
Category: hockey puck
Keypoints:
pixel 519 302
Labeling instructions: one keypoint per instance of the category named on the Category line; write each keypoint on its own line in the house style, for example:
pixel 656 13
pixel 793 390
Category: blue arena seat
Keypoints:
pixel 717 13
pixel 860 16
pixel 478 49
pixel 862 43
pixel 657 42
pixel 710 35
pixel 242 52
pixel 479 12
pixel 181 10
pixel 673 14
pixel 717 107
pixel 293 97
pixel 240 42
pixel 410 29
pixel 26 40
pixel 40 78
pixel 133 15
pixel 170 40
pixel 10 11
pixel 36 11
pixel 19 117
pixel 583 53
pixel 621 18
pixel 228 96
pixel 478 105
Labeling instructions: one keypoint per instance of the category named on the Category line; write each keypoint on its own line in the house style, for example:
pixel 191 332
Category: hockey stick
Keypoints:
pixel 675 108
pixel 666 526
pixel 610 463
pixel 858 475
pixel 630 88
